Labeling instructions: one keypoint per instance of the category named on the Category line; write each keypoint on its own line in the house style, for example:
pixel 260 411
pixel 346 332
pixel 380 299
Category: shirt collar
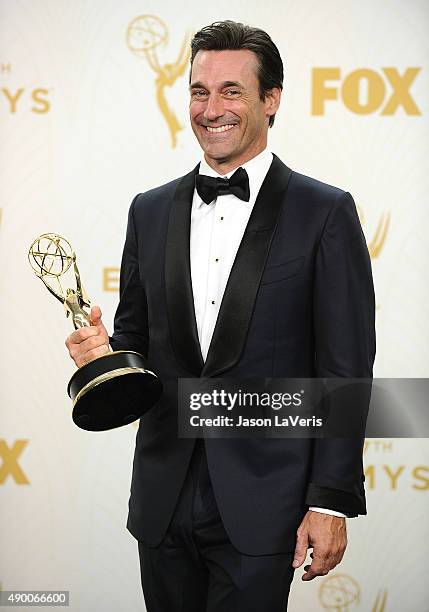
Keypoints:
pixel 256 168
pixel 250 166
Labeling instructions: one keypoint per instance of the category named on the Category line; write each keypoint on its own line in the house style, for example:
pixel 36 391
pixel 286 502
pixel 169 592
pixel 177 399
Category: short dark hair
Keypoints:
pixel 231 35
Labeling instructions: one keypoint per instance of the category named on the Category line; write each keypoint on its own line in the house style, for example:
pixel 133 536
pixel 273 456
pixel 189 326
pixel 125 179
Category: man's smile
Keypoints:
pixel 221 128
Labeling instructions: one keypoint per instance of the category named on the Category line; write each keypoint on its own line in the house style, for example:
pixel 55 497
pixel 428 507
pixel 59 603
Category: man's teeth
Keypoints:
pixel 222 128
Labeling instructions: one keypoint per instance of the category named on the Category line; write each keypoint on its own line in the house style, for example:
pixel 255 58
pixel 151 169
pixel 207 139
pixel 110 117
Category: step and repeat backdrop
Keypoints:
pixel 93 109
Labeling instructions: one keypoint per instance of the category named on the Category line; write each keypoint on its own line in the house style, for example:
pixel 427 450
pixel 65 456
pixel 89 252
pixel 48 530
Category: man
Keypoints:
pixel 263 275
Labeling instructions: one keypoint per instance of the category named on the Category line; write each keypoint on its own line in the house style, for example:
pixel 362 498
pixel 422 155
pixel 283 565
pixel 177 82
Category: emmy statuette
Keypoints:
pixel 109 391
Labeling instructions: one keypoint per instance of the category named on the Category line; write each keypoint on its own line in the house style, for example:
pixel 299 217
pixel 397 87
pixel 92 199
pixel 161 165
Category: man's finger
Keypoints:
pixel 84 352
pixel 81 334
pixel 99 351
pixel 90 344
pixel 320 566
pixel 301 548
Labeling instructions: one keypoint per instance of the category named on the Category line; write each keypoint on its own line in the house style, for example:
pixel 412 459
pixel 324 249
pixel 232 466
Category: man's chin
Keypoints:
pixel 218 155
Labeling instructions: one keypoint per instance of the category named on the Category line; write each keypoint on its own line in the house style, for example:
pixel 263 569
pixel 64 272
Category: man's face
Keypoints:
pixel 227 115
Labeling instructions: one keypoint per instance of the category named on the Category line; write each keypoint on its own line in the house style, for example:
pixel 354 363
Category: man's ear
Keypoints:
pixel 272 100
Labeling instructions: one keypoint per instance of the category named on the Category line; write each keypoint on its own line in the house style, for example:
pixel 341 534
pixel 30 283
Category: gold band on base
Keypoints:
pixel 108 376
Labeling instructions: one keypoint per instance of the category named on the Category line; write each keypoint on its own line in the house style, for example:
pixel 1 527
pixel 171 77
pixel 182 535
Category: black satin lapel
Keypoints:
pixel 178 285
pixel 239 298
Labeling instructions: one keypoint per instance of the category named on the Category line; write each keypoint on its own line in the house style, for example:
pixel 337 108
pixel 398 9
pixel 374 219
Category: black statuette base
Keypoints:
pixel 112 391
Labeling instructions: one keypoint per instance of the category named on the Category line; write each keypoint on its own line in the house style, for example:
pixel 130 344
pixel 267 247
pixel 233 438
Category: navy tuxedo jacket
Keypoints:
pixel 299 303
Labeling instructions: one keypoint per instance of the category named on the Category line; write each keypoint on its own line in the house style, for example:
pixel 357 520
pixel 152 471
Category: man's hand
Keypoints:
pixel 327 535
pixel 88 343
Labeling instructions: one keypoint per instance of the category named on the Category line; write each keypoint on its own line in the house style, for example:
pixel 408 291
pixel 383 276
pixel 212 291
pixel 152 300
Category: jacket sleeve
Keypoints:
pixel 131 323
pixel 344 327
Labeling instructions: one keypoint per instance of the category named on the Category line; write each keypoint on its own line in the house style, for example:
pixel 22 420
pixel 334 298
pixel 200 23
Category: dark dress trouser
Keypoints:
pixel 196 568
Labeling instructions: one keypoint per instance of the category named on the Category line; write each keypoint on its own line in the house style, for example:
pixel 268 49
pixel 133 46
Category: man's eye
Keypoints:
pixel 198 94
pixel 232 92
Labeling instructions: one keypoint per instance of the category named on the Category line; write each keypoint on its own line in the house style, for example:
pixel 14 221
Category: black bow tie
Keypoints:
pixel 210 187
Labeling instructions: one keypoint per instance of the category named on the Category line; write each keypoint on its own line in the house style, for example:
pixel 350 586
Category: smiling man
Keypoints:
pixel 242 268
pixel 228 114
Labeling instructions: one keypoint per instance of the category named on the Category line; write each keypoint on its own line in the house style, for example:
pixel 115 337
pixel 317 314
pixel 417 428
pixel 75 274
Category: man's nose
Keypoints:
pixel 214 108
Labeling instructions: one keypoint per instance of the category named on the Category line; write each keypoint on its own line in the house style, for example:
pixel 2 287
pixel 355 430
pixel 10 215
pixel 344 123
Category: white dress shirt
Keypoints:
pixel 216 232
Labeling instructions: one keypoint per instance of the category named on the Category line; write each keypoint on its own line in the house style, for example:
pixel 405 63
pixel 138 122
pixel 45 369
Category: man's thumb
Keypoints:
pixel 95 315
pixel 300 550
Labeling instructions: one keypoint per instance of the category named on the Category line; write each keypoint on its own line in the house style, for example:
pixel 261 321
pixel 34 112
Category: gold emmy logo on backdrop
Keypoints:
pixel 376 243
pixel 10 466
pixel 338 592
pixel 341 593
pixel 367 81
pixel 144 36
